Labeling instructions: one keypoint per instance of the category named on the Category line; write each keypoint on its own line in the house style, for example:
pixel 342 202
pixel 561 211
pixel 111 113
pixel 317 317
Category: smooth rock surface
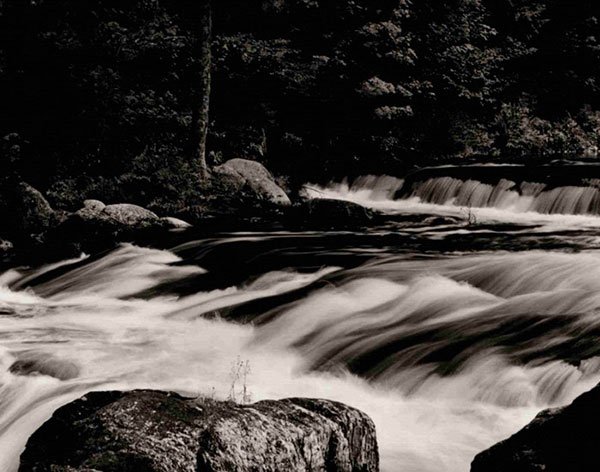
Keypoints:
pixel 41 363
pixel 557 440
pixel 243 173
pixel 174 223
pixel 154 431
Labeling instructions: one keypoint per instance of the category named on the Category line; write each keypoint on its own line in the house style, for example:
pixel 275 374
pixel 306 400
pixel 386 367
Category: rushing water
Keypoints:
pixel 451 329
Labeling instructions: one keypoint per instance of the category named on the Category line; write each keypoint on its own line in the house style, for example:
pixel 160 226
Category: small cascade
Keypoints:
pixel 508 195
pixel 367 188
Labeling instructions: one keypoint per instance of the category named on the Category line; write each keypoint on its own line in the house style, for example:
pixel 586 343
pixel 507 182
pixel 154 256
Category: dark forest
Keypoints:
pixel 98 96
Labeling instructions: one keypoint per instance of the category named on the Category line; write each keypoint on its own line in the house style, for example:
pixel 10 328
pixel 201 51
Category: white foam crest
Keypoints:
pixel 125 271
pixel 502 274
pixel 563 208
pixel 366 188
pixel 426 421
pixel 141 350
pixel 528 196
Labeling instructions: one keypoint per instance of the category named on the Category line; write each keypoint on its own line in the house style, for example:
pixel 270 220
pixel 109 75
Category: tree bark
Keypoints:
pixel 201 108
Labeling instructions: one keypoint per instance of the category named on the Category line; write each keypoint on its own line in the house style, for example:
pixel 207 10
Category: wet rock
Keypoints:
pixel 557 440
pixel 334 213
pixel 39 363
pixel 174 223
pixel 161 432
pixel 243 174
pixel 441 221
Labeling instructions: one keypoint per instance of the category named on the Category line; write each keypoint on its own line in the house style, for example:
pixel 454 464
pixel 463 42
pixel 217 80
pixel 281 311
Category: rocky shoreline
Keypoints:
pixel 154 431
pixel 35 232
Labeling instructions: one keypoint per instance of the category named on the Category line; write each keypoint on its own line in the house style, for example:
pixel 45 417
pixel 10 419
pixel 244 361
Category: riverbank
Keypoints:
pixel 240 195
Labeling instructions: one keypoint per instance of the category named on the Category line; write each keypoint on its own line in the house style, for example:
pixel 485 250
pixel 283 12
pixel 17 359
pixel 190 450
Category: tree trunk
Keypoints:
pixel 201 108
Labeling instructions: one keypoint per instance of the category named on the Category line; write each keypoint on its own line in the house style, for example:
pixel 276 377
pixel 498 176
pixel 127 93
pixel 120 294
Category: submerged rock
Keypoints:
pixel 155 431
pixel 40 363
pixel 557 440
pixel 244 174
pixel 334 213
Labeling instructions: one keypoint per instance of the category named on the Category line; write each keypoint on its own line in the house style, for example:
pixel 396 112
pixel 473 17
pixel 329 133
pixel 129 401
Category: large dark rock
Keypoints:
pixel 243 174
pixel 325 212
pixel 150 431
pixel 557 440
pixel 174 223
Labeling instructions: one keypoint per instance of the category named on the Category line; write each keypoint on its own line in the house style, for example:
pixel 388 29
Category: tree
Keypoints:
pixel 202 96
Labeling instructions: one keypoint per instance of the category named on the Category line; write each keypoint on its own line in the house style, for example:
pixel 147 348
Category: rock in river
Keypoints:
pixel 154 431
pixel 557 440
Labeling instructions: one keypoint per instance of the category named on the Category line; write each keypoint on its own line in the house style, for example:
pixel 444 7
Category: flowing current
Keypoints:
pixel 450 326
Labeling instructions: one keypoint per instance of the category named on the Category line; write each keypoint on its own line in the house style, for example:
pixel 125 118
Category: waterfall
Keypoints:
pixel 366 188
pixel 508 195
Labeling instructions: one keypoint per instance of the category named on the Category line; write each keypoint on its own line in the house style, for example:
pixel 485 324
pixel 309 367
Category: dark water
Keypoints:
pixel 451 329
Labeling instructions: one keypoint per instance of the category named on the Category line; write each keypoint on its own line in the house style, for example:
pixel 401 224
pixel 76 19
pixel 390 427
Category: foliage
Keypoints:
pixel 238 390
pixel 97 94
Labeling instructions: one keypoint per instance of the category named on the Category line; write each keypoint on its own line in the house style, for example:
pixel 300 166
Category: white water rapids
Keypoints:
pixel 448 351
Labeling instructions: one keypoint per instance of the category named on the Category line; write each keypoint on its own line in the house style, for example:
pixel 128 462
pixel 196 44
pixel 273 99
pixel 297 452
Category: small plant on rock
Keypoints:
pixel 239 373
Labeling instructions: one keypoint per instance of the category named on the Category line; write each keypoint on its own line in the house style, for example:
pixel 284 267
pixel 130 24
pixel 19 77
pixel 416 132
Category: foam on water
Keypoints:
pixel 447 355
pixel 555 209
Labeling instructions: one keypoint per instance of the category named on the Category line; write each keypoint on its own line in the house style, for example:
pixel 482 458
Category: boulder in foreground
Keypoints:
pixel 153 431
pixel 557 440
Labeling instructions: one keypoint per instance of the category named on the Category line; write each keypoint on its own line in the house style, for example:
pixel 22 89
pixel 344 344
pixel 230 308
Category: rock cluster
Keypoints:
pixel 155 431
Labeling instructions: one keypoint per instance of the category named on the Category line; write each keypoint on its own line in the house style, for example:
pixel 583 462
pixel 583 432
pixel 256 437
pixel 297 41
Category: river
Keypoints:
pixel 451 324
